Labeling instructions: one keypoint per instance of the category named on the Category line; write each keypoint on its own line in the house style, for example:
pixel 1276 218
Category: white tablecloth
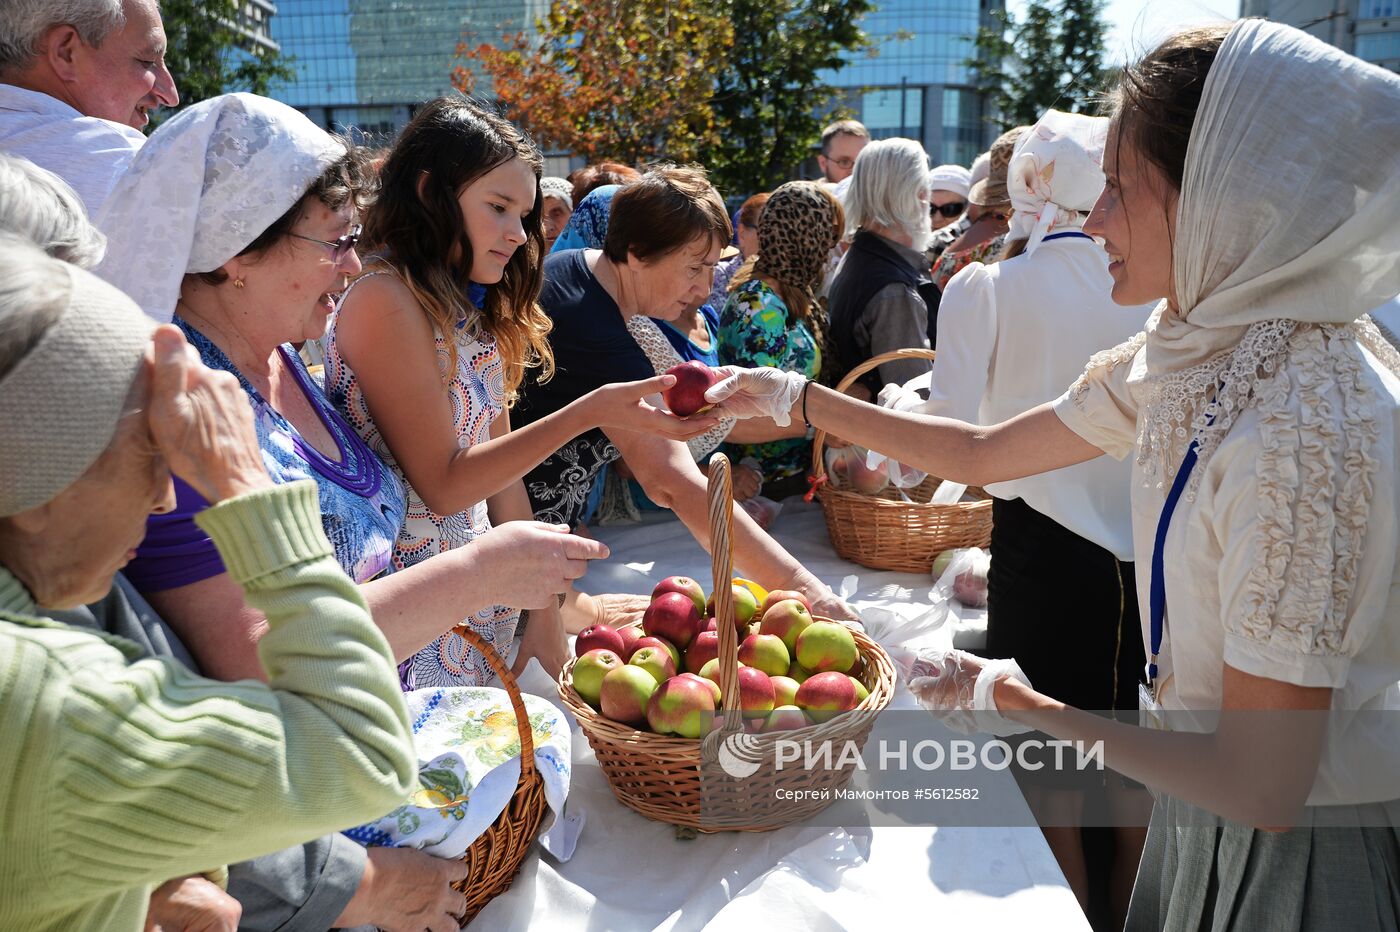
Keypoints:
pixel 631 873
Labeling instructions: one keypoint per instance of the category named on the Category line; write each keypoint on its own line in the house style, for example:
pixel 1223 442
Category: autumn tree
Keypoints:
pixel 1051 57
pixel 770 100
pixel 624 79
pixel 208 54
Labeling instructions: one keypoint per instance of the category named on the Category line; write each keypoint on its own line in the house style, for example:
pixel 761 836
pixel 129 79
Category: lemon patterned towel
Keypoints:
pixel 468 766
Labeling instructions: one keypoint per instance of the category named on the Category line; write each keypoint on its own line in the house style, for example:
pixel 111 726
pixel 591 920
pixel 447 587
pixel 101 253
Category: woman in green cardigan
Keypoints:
pixel 117 775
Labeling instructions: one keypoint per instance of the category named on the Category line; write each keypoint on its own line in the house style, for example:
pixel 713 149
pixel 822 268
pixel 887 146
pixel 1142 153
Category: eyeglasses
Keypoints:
pixel 341 246
pixel 841 162
pixel 948 210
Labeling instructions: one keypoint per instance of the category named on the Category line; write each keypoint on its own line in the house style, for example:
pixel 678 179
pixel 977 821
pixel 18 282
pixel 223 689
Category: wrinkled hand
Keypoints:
pixel 959 688
pixel 748 481
pixel 635 406
pixel 745 393
pixel 528 563
pixel 404 890
pixel 201 421
pixel 545 640
pixel 192 904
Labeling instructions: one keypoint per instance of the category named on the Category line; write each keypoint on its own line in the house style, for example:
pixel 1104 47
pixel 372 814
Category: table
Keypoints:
pixel 631 873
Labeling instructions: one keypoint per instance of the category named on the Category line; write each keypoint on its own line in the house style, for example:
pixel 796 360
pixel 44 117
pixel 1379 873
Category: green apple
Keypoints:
pixel 656 661
pixel 625 694
pixel 684 705
pixel 589 671
pixel 785 690
pixel 766 652
pixel 827 647
pixel 787 619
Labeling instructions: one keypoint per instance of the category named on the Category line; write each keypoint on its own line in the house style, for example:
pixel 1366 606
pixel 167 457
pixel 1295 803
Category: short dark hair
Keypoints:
pixel 843 128
pixel 667 208
pixel 352 177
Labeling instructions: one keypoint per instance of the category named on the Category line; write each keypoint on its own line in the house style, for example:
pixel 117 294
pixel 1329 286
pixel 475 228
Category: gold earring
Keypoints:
pixel 238 283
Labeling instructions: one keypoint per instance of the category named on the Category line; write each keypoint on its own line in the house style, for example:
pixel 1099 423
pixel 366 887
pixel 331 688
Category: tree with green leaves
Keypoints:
pixel 1052 57
pixel 208 53
pixel 770 96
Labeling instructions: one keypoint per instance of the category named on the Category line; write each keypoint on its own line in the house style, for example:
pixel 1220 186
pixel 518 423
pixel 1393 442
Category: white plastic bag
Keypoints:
pixel 904 397
pixel 965 576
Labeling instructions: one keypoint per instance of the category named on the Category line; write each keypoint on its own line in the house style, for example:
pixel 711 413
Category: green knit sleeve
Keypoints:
pixel 158 772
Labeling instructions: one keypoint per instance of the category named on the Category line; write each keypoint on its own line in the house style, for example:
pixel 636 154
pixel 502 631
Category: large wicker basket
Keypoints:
pixel 885 532
pixel 661 776
pixel 494 858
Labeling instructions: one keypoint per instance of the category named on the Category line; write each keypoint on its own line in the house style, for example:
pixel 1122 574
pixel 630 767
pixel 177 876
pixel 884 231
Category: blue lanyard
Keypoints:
pixel 1158 595
pixel 1066 235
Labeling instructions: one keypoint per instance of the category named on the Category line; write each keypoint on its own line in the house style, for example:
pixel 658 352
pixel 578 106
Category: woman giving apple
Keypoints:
pixel 1267 535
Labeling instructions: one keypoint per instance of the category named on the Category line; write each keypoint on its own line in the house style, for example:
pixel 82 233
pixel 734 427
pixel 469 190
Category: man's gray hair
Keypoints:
pixel 885 186
pixel 23 24
pixel 40 206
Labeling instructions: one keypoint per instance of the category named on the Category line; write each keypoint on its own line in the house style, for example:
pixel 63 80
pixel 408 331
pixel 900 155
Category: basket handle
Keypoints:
pixel 522 721
pixel 819 439
pixel 721 501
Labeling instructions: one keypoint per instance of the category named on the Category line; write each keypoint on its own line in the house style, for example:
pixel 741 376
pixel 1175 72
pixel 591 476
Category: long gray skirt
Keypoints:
pixel 1200 872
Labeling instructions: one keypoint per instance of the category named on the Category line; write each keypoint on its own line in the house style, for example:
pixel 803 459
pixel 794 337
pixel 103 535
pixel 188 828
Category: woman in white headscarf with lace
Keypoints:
pixel 1012 335
pixel 1253 184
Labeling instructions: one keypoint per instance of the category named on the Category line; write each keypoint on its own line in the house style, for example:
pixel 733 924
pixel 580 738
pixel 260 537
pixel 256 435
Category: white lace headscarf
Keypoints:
pixel 204 186
pixel 1287 232
pixel 1055 175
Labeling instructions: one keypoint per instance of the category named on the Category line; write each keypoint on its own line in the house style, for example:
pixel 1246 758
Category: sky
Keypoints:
pixel 1136 25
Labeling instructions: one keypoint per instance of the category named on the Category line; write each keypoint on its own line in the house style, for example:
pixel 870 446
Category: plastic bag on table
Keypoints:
pixel 848 470
pixel 764 511
pixel 962 574
pixel 904 397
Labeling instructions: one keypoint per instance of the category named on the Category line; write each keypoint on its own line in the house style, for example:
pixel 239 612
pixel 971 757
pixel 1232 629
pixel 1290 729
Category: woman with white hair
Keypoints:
pixel 122 772
pixel 876 302
pixel 1261 407
pixel 1012 335
pixel 44 209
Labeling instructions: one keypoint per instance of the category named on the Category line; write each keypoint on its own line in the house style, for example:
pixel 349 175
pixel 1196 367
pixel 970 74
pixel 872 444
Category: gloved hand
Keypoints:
pixel 958 688
pixel 764 392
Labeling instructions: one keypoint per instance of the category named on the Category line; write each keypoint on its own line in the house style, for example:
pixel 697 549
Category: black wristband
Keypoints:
pixel 804 403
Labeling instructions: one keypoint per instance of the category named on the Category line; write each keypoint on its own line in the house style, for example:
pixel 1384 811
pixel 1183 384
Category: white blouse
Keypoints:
pixel 1251 579
pixel 1011 336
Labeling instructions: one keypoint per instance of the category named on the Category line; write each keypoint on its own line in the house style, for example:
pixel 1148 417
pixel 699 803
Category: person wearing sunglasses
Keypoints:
pixel 948 186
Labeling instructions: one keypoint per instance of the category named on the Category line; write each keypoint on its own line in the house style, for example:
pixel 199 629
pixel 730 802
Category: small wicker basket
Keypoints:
pixel 661 776
pixel 885 532
pixel 495 857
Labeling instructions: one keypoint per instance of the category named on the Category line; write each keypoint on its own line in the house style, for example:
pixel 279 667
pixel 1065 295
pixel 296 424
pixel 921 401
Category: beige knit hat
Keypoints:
pixel 60 403
pixel 991 191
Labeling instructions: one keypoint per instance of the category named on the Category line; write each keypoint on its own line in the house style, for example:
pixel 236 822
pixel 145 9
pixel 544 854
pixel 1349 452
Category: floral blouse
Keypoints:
pixel 756 329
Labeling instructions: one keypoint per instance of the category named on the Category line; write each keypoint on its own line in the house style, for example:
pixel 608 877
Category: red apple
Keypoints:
pixel 782 595
pixel 630 635
pixel 785 718
pixel 703 649
pixel 672 616
pixel 684 585
pixel 656 661
pixel 970 588
pixel 598 636
pixel 589 671
pixel 709 625
pixel 824 695
pixel 711 676
pixel 787 619
pixel 785 690
pixel 625 694
pixel 755 692
pixel 661 643
pixel 766 652
pixel 683 705
pixel 827 646
pixel 687 396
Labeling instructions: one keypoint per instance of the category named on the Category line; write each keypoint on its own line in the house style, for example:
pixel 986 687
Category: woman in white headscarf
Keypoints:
pixel 1253 184
pixel 1012 334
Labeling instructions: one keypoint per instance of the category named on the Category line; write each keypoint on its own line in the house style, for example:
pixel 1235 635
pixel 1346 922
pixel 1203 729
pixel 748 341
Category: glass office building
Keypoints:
pixel 363 65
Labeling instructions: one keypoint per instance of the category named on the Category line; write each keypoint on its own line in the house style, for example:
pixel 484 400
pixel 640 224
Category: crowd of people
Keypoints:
pixel 279 416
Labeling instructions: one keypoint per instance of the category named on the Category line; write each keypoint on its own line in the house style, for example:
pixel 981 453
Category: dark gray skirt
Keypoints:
pixel 1200 872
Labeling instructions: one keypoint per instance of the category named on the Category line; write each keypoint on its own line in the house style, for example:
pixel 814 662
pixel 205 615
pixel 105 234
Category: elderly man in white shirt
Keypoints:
pixel 78 79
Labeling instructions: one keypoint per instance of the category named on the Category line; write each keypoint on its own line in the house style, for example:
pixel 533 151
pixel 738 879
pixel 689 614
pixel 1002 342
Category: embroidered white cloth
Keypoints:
pixel 1279 560
pixel 1055 175
pixel 90 154
pixel 205 185
pixel 468 767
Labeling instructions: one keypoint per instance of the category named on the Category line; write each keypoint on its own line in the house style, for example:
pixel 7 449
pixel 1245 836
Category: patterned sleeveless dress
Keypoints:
pixel 477 391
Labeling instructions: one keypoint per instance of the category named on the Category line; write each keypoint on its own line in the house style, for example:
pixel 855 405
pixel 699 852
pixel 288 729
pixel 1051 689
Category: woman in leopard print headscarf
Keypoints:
pixel 774 318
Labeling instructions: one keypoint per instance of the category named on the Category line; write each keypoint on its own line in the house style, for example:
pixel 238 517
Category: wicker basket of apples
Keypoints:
pixel 884 528
pixel 684 712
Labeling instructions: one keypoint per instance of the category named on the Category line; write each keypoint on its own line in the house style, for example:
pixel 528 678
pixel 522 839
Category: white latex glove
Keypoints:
pixel 746 393
pixel 958 688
